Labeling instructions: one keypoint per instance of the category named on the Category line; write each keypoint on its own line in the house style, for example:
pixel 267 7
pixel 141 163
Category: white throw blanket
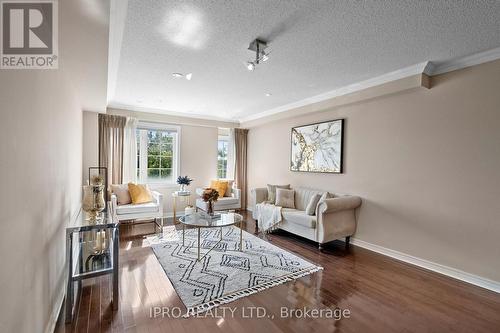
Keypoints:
pixel 268 216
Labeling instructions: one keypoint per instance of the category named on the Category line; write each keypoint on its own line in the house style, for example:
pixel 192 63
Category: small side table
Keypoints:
pixel 84 261
pixel 175 195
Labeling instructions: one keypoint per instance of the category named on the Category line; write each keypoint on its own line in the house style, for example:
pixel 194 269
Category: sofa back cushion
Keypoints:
pixel 271 191
pixel 303 196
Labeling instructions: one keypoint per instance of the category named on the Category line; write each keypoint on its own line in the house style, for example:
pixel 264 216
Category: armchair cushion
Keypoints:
pixel 150 207
pixel 122 194
pixel 139 193
pixel 220 186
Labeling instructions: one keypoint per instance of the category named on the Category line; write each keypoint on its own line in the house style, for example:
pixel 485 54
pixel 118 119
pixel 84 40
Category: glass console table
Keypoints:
pixel 91 250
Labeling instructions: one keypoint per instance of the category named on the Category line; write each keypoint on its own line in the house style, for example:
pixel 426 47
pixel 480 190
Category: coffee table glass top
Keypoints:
pixel 202 219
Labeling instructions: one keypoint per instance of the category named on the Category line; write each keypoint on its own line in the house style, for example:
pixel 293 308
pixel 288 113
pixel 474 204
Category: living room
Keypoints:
pixel 250 165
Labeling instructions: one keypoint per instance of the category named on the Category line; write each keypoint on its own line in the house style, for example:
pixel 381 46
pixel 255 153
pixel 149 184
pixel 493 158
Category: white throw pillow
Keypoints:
pixel 311 206
pixel 122 194
pixel 285 198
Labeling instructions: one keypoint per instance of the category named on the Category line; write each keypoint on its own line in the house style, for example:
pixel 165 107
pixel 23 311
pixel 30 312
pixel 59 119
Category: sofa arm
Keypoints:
pixel 158 198
pixel 331 205
pixel 258 195
pixel 236 193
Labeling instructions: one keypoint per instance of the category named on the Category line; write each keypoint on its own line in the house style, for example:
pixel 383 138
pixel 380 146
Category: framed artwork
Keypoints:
pixel 317 147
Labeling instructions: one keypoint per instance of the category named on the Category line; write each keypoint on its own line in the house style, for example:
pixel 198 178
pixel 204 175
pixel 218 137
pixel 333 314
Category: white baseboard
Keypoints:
pixel 435 267
pixel 51 325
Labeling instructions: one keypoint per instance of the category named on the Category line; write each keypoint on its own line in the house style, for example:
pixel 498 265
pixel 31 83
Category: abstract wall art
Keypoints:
pixel 317 147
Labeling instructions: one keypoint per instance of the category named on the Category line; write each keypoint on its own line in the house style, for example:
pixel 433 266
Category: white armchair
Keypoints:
pixel 232 201
pixel 153 209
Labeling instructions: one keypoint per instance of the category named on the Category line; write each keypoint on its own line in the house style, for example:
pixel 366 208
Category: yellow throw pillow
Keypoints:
pixel 139 193
pixel 220 186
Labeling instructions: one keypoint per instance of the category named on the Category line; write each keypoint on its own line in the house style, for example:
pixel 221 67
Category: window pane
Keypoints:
pixel 153 173
pixel 153 149
pixel 166 162
pixel 166 173
pixel 153 162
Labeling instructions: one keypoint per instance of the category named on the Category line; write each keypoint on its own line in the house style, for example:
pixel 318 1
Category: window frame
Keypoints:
pixel 143 158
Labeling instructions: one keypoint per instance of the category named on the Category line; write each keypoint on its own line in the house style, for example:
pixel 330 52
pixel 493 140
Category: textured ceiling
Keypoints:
pixel 316 47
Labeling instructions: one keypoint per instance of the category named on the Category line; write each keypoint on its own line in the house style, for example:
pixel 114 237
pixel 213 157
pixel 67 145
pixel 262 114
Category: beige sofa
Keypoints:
pixel 334 217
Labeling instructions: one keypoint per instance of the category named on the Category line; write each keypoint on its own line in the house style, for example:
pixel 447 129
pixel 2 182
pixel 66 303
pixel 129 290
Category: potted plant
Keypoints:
pixel 183 181
pixel 210 195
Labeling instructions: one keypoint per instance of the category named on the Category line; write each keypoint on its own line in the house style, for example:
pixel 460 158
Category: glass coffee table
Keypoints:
pixel 201 220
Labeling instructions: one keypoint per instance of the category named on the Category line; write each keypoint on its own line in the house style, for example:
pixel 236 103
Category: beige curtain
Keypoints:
pixel 111 129
pixel 240 159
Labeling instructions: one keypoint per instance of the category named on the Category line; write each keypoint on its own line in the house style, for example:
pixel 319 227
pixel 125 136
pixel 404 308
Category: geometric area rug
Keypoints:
pixel 225 273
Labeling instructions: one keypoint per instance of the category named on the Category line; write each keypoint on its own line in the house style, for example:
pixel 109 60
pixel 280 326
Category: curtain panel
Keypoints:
pixel 240 158
pixel 111 135
pixel 130 151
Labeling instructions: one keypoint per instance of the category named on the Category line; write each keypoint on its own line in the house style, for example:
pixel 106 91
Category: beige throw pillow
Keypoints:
pixel 271 192
pixel 285 198
pixel 122 194
pixel 311 206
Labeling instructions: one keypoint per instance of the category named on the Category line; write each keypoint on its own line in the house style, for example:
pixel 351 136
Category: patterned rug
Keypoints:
pixel 225 273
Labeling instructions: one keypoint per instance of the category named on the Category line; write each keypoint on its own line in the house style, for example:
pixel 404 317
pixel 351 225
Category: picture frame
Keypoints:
pixel 317 147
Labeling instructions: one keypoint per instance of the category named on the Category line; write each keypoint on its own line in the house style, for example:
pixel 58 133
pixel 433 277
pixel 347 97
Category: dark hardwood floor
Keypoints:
pixel 381 294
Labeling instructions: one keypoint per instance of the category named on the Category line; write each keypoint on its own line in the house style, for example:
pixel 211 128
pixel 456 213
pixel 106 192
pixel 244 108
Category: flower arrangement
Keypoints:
pixel 97 180
pixel 210 195
pixel 184 180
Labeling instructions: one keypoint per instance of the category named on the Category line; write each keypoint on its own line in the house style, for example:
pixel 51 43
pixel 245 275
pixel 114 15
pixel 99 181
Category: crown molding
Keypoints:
pixel 437 68
pixel 126 107
pixel 420 68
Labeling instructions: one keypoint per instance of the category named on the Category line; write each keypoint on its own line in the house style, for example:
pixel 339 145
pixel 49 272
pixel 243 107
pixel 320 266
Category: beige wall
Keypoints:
pixel 425 162
pixel 90 144
pixel 198 156
pixel 41 169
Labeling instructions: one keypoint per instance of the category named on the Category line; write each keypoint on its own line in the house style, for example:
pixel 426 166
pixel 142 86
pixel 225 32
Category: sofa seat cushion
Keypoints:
pixel 150 207
pixel 299 217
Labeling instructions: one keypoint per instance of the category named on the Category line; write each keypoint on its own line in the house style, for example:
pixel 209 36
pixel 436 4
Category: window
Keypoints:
pixel 157 153
pixel 222 152
pixel 225 154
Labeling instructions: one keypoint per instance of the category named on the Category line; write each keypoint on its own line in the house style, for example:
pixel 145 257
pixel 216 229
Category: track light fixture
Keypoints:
pixel 258 46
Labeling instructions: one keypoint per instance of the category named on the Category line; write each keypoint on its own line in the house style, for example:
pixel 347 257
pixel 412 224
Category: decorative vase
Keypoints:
pixel 93 200
pixel 182 188
pixel 210 209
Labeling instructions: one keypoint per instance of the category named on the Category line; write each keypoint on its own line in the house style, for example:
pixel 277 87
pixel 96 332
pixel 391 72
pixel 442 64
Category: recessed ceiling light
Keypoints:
pixel 177 75
pixel 268 94
pixel 189 76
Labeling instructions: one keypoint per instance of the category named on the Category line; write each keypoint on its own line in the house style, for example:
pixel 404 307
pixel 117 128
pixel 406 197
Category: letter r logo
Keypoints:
pixel 27 27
